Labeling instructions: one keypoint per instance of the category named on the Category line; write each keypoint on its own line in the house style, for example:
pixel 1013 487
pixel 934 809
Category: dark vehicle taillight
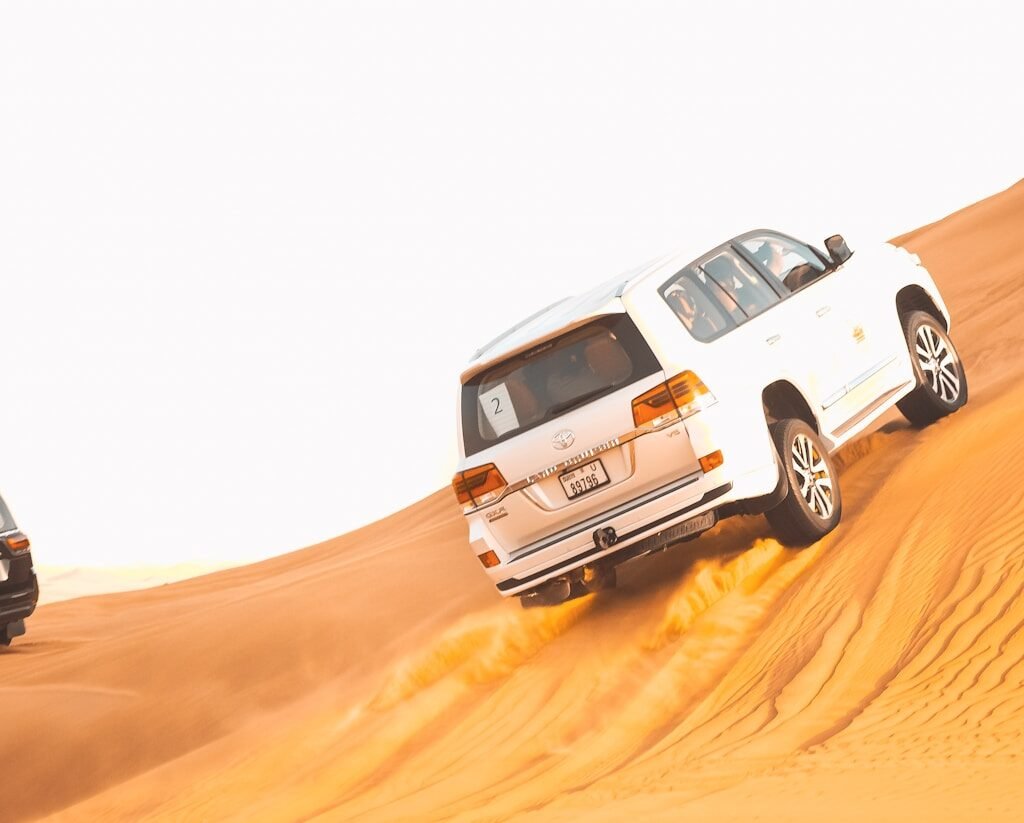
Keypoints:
pixel 17 543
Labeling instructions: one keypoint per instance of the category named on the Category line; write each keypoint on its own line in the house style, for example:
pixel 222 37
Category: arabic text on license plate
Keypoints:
pixel 583 479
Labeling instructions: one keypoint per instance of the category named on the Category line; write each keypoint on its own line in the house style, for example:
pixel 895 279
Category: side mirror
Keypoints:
pixel 837 249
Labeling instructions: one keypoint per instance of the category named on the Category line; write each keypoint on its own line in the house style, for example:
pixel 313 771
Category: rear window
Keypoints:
pixel 553 378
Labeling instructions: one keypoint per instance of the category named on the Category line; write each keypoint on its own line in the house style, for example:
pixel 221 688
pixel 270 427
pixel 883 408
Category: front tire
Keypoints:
pixel 812 506
pixel 941 381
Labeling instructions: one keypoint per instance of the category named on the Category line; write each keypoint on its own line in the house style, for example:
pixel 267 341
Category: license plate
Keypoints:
pixel 583 479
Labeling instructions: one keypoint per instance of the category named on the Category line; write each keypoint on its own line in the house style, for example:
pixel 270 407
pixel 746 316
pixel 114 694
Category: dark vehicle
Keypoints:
pixel 19 589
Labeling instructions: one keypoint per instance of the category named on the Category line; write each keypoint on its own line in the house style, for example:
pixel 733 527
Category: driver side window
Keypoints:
pixel 790 264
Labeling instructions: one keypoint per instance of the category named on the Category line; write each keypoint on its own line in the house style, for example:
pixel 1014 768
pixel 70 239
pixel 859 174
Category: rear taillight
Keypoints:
pixel 476 487
pixel 673 400
pixel 17 543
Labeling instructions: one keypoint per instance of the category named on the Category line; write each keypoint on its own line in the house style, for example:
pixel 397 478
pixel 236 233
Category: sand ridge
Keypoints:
pixel 877 674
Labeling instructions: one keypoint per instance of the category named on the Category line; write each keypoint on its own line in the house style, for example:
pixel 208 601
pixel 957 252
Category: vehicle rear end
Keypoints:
pixel 19 589
pixel 573 453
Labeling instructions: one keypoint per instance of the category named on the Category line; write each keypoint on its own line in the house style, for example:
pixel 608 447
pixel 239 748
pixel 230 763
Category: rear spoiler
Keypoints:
pixel 552 331
pixel 509 332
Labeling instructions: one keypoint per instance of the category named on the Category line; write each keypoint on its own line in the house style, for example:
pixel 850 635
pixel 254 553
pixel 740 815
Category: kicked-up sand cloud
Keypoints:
pixel 876 675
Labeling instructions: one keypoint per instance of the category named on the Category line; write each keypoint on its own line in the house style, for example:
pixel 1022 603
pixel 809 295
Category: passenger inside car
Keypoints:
pixel 527 407
pixel 607 359
pixel 741 283
pixel 791 264
pixel 695 309
pixel 590 365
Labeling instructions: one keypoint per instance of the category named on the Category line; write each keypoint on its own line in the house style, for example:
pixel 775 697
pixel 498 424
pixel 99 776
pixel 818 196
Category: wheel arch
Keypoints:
pixel 915 298
pixel 782 399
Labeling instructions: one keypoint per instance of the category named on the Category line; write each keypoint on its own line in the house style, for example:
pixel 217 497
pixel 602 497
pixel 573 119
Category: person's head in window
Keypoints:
pixel 683 305
pixel 694 309
pixel 592 363
pixel 607 360
pixel 774 254
pixel 738 284
pixel 768 252
pixel 792 264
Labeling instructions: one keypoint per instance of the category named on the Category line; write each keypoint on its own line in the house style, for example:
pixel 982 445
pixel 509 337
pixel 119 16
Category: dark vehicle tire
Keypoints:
pixel 941 381
pixel 813 505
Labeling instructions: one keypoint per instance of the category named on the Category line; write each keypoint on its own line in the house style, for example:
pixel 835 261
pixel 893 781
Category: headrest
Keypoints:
pixel 607 359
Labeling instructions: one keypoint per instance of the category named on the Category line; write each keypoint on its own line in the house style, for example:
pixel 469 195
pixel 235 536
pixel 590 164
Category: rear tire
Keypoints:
pixel 941 381
pixel 11 630
pixel 812 506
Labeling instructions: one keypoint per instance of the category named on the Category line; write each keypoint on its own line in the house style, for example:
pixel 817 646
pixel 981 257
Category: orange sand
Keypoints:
pixel 876 675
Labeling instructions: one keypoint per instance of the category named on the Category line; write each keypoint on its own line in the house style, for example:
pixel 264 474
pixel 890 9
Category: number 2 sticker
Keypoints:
pixel 497 406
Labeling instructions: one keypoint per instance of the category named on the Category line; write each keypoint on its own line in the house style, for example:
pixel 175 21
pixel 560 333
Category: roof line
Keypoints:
pixel 490 345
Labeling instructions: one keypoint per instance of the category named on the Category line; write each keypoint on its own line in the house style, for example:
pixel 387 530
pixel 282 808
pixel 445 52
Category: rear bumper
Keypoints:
pixel 18 602
pixel 19 587
pixel 632 544
pixel 641 528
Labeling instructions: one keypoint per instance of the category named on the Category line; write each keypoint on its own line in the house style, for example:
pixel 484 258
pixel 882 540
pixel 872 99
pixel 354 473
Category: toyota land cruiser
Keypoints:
pixel 614 423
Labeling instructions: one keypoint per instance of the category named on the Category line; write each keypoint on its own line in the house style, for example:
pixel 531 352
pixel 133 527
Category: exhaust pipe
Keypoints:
pixel 605 538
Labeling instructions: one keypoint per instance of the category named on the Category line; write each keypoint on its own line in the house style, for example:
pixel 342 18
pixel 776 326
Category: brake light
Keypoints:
pixel 475 487
pixel 676 398
pixel 17 543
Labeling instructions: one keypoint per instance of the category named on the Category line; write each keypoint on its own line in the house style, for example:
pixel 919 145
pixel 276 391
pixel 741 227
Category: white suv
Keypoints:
pixel 612 424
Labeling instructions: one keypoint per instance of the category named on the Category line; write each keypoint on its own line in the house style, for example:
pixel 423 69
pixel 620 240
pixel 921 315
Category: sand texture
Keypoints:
pixel 878 675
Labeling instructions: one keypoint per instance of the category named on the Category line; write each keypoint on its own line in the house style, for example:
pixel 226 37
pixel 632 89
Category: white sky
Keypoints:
pixel 246 248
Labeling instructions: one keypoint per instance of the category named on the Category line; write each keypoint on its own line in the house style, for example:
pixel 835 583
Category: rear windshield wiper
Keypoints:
pixel 576 401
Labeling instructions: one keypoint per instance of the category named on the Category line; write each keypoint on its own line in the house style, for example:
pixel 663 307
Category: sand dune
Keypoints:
pixel 875 675
pixel 66 582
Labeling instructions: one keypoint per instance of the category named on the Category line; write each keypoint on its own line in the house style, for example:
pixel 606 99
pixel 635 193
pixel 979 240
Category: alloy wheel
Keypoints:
pixel 938 363
pixel 815 479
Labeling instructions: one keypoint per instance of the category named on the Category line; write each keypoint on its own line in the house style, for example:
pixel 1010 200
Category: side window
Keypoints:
pixel 743 286
pixel 691 296
pixel 793 265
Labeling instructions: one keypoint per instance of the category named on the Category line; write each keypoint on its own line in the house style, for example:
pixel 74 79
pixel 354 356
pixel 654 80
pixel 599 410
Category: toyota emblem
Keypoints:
pixel 563 439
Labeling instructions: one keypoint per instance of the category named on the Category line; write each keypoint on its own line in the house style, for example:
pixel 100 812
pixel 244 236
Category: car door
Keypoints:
pixel 878 338
pixel 835 346
pixel 769 338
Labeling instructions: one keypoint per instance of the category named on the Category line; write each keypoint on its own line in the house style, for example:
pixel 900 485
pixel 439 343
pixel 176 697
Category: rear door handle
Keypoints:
pixel 823 310
pixel 775 338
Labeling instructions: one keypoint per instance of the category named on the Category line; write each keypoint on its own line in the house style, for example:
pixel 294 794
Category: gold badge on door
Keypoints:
pixel 858 334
